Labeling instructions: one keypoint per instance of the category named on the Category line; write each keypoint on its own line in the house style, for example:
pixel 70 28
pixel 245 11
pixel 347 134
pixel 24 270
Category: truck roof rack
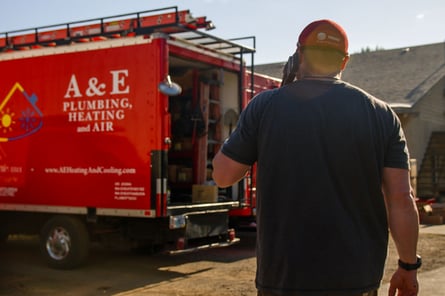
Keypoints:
pixel 169 20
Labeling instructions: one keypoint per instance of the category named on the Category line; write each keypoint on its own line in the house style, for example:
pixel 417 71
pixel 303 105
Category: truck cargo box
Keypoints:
pixel 107 128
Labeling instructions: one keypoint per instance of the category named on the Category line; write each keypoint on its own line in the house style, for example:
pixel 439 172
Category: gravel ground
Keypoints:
pixel 223 272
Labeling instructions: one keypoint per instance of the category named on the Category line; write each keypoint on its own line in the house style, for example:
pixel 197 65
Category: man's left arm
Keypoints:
pixel 404 227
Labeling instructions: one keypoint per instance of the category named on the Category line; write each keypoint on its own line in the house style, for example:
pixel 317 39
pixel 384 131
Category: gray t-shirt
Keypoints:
pixel 320 148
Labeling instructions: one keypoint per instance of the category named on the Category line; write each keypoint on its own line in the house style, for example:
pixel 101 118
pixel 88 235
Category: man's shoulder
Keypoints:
pixel 264 97
pixel 358 89
pixel 267 94
pixel 366 94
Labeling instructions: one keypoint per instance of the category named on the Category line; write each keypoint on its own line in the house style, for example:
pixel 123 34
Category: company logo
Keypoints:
pixel 19 115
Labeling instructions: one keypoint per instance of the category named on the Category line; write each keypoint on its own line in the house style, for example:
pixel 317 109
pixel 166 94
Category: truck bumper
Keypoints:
pixel 203 247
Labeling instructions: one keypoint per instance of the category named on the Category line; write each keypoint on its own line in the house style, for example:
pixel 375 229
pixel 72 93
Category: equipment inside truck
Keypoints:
pixel 198 129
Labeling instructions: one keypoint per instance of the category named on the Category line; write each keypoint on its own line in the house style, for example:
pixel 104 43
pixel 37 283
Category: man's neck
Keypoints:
pixel 320 77
pixel 313 76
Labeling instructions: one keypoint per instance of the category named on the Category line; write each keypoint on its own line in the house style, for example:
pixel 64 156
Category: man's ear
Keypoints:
pixel 344 62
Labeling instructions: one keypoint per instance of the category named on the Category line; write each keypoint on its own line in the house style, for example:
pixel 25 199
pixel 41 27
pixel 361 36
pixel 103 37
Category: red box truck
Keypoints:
pixel 108 128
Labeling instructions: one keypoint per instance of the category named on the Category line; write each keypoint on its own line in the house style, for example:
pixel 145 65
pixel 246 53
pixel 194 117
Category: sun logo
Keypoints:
pixel 19 115
pixel 7 120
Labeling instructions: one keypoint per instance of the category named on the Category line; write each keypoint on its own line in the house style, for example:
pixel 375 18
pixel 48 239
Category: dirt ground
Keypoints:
pixel 118 271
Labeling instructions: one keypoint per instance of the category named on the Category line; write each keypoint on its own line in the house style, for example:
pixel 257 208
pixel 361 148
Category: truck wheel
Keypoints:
pixel 64 242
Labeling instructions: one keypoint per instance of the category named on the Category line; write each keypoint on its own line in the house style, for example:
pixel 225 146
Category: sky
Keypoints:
pixel 276 24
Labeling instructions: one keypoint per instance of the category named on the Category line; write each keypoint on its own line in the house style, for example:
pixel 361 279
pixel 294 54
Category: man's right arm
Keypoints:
pixel 227 171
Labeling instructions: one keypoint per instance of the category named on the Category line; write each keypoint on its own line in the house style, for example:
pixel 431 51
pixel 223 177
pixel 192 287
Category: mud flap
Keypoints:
pixel 204 231
pixel 202 225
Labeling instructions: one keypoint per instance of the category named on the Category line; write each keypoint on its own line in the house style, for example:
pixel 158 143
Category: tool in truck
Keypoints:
pixel 108 127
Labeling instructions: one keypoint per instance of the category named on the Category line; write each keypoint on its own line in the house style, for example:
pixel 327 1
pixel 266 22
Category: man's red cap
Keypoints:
pixel 324 34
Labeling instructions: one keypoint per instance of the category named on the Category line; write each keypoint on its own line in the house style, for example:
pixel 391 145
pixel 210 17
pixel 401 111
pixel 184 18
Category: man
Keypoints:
pixel 333 176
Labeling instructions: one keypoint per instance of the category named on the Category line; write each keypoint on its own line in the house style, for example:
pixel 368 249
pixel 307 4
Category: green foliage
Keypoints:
pixel 369 49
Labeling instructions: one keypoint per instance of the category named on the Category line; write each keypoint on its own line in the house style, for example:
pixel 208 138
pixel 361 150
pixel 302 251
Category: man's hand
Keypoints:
pixel 404 283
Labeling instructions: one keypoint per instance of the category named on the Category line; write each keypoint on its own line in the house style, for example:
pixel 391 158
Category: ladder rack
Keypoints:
pixel 169 20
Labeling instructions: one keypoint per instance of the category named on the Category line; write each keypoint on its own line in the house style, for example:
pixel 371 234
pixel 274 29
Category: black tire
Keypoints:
pixel 64 242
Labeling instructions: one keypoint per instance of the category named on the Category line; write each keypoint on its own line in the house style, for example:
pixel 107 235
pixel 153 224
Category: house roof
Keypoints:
pixel 400 77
